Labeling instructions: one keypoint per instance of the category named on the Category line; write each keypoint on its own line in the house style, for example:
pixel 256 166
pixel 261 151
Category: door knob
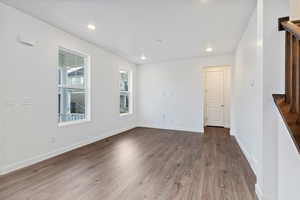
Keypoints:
pixel 222 106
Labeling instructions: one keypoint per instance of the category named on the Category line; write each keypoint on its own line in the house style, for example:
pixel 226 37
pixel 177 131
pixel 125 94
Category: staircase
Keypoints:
pixel 289 103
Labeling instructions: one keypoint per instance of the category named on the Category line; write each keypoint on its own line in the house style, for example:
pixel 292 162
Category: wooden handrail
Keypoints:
pixel 289 103
pixel 292 27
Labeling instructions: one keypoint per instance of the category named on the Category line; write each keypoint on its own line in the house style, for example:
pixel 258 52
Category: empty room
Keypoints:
pixel 153 100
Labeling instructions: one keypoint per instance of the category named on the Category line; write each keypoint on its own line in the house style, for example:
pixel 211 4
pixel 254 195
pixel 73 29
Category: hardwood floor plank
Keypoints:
pixel 143 163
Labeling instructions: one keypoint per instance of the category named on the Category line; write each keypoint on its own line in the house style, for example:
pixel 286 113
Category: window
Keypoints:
pixel 125 92
pixel 72 86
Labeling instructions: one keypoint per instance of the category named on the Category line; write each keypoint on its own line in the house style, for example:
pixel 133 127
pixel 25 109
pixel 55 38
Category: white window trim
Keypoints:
pixel 130 92
pixel 87 77
pixel 69 123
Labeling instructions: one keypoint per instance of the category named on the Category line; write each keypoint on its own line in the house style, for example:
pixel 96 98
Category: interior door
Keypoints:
pixel 214 98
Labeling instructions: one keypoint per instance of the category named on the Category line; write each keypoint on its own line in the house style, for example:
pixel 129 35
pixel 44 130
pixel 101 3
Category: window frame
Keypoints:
pixel 87 83
pixel 129 92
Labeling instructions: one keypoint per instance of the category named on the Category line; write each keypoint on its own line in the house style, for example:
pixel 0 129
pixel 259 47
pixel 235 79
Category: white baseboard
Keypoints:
pixel 194 130
pixel 39 158
pixel 252 161
pixel 232 133
pixel 258 192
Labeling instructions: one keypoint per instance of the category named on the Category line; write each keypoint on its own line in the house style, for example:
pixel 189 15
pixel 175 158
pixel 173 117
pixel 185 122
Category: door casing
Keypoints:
pixel 224 103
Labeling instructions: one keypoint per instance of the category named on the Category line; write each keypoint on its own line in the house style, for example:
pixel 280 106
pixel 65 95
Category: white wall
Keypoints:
pixel 31 132
pixel 273 83
pixel 295 9
pixel 288 164
pixel 170 94
pixel 247 96
pixel 260 57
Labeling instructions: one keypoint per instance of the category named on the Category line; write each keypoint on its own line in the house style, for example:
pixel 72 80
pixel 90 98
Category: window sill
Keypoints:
pixel 64 124
pixel 125 114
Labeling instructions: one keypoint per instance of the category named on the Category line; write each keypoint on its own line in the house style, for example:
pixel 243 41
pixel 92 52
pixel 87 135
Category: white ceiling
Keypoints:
pixel 161 29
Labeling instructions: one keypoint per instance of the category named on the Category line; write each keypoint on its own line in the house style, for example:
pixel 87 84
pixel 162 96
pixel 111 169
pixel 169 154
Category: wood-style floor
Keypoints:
pixel 140 164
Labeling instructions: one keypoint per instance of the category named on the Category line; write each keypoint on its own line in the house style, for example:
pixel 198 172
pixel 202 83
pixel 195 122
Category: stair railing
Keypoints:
pixel 289 103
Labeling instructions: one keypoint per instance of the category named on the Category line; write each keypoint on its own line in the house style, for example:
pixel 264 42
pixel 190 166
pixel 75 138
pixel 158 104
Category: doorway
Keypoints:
pixel 217 96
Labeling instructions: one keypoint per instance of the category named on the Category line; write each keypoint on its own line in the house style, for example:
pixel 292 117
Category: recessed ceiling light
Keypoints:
pixel 92 27
pixel 209 49
pixel 143 57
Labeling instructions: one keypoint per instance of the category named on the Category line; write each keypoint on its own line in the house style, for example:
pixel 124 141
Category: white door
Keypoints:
pixel 214 98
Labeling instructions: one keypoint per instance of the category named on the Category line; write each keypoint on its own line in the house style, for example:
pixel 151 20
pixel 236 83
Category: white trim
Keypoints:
pixel 87 81
pixel 227 105
pixel 231 132
pixel 253 164
pixel 252 161
pixel 42 157
pixel 69 123
pixel 1 150
pixel 129 92
pixel 2 158
pixel 258 192
pixel 194 130
pixel 125 114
